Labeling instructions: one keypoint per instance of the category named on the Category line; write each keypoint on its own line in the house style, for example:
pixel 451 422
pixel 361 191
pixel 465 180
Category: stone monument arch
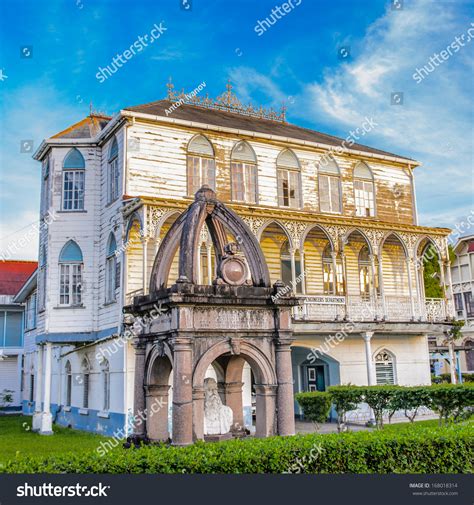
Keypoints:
pixel 188 326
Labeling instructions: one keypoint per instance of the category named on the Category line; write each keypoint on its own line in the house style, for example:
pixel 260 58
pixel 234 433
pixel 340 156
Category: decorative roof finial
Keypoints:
pixel 227 101
pixel 171 95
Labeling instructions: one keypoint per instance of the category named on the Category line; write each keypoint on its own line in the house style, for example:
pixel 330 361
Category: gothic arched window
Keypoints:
pixel 201 164
pixel 244 173
pixel 384 368
pixel 364 190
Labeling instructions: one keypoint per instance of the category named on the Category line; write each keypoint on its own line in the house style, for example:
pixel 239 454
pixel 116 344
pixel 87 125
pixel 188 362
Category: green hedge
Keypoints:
pixel 446 377
pixel 419 450
pixel 453 402
pixel 316 405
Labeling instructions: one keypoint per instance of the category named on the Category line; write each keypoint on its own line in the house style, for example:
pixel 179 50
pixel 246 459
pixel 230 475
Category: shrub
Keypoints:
pixel 345 399
pixel 379 399
pixel 451 401
pixel 419 450
pixel 412 398
pixel 315 405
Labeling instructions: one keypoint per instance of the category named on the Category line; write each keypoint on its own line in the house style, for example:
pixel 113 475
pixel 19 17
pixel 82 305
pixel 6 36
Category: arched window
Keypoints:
pixel 113 173
pixel 329 186
pixel 285 258
pixel 106 384
pixel 288 176
pixel 201 164
pixel 364 190
pixel 328 274
pixel 384 368
pixel 68 373
pixel 85 383
pixel 70 274
pixel 244 173
pixel 112 275
pixel 73 181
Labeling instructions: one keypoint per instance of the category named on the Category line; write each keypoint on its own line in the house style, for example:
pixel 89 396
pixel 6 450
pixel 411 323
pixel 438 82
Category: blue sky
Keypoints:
pixel 296 61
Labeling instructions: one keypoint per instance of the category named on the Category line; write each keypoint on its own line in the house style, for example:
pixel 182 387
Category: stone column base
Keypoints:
pixel 36 423
pixel 46 427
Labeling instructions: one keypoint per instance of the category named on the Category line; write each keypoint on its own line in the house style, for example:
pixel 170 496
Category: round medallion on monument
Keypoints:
pixel 234 271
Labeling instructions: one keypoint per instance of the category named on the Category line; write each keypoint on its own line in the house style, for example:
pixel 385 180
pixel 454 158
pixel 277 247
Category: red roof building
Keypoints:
pixel 13 275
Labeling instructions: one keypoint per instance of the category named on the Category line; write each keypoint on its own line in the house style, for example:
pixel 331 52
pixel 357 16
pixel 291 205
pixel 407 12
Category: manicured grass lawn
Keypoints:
pixel 16 437
pixel 432 423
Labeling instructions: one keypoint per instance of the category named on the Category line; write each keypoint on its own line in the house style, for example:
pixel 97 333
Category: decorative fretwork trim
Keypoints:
pixel 227 101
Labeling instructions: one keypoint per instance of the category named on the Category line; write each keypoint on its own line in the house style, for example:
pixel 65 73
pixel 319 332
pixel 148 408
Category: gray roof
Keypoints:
pixel 241 122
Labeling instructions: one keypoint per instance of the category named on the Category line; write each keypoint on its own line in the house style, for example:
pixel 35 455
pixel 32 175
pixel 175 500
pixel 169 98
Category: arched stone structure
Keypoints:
pixel 190 326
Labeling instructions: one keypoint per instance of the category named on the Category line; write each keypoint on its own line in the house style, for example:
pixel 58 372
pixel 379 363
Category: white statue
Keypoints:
pixel 217 417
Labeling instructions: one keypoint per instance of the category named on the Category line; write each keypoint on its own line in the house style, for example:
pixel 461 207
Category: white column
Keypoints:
pixel 293 269
pixel 47 418
pixel 373 274
pixel 382 291
pixel 38 389
pixel 145 265
pixel 303 273
pixel 410 288
pixel 450 295
pixel 334 272
pixel 367 336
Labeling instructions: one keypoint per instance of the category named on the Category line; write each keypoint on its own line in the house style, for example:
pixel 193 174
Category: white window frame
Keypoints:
pixel 364 198
pixel 70 284
pixel 73 197
pixel 246 182
pixel 207 173
pixel 335 207
pixel 381 364
pixel 113 180
pixel 286 175
pixel 110 280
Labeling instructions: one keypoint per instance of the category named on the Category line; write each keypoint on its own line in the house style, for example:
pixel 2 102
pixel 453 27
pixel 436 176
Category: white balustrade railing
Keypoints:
pixel 359 308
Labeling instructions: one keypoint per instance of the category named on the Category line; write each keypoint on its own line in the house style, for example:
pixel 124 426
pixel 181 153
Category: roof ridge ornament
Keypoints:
pixel 227 102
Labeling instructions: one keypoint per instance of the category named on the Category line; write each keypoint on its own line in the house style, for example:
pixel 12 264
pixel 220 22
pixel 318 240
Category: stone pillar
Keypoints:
pixel 46 427
pixel 199 265
pixel 183 391
pixel 209 264
pixel 285 407
pixel 265 406
pixel 157 412
pixel 367 336
pixel 233 399
pixel 198 413
pixel 139 403
pixel 38 389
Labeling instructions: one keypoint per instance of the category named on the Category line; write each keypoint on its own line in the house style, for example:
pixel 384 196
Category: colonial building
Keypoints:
pixel 13 323
pixel 335 221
